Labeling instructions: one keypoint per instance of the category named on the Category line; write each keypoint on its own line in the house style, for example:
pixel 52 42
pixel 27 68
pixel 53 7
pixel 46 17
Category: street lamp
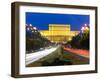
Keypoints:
pixel 82 29
pixel 34 28
pixel 85 25
pixel 85 28
pixel 30 24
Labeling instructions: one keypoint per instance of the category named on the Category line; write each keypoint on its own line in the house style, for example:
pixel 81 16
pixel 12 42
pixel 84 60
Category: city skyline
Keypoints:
pixel 42 20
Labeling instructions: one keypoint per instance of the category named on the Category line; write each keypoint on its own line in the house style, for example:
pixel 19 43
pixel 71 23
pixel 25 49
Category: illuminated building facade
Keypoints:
pixel 58 33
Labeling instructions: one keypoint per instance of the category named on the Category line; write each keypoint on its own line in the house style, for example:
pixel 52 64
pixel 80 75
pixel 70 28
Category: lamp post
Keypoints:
pixel 82 29
pixel 34 28
pixel 30 25
pixel 85 28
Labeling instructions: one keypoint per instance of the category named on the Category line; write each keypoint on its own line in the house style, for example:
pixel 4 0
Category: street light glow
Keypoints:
pixel 82 28
pixel 30 24
pixel 34 28
pixel 28 29
pixel 85 25
pixel 86 28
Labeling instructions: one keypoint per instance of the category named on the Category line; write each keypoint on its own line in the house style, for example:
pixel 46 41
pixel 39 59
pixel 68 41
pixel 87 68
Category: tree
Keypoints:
pixel 80 41
pixel 34 40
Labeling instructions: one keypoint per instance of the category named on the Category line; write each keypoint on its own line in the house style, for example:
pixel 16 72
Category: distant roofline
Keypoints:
pixel 58 30
pixel 60 24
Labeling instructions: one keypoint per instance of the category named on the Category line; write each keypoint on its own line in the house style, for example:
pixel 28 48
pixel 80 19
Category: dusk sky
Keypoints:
pixel 42 20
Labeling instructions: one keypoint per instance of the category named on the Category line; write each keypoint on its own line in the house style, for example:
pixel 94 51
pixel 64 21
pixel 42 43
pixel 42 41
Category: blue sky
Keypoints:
pixel 42 20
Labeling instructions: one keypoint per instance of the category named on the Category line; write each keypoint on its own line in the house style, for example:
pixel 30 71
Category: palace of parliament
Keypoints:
pixel 58 33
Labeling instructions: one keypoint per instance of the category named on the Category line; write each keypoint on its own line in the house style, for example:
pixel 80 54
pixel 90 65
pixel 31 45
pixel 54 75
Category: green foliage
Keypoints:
pixel 34 41
pixel 80 41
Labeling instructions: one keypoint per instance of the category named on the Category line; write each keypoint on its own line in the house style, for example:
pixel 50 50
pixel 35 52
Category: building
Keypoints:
pixel 59 33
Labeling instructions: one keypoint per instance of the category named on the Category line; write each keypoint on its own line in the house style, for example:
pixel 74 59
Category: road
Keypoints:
pixel 81 52
pixel 38 55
